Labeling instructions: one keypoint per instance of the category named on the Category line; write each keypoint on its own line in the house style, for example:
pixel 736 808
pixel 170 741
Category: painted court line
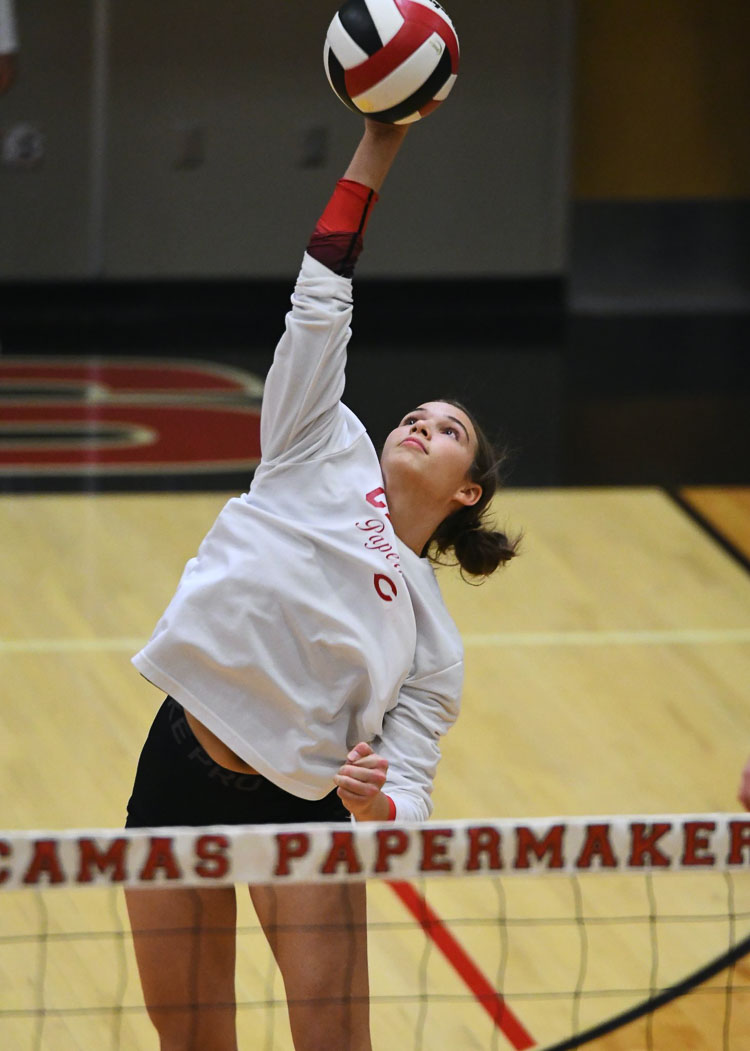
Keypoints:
pixel 71 645
pixel 467 970
pixel 677 637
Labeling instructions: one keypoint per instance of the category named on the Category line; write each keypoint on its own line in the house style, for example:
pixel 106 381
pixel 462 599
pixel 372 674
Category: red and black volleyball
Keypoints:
pixel 392 60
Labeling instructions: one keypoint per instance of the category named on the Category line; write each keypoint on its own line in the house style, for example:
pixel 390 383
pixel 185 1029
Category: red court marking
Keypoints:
pixel 102 415
pixel 458 958
pixel 122 376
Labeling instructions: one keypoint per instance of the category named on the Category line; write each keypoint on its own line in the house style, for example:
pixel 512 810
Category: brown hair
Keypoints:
pixel 479 549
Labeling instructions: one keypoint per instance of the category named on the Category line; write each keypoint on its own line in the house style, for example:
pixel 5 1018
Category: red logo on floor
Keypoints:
pixel 126 416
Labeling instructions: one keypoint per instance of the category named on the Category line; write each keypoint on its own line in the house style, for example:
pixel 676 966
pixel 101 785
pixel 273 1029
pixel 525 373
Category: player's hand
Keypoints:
pixel 743 793
pixel 360 780
pixel 385 131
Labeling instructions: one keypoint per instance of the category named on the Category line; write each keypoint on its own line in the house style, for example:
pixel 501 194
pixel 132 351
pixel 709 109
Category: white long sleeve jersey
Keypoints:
pixel 303 625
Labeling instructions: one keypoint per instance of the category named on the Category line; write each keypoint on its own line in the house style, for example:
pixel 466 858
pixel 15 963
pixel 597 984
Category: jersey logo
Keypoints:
pixel 376 498
pixel 385 587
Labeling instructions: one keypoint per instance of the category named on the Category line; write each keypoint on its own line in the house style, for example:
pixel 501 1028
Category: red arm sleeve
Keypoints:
pixel 337 239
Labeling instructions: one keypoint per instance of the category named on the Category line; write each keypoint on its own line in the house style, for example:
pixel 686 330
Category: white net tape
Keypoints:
pixel 222 855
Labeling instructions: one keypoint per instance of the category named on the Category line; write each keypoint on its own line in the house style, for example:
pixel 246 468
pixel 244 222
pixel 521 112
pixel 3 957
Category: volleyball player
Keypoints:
pixel 309 661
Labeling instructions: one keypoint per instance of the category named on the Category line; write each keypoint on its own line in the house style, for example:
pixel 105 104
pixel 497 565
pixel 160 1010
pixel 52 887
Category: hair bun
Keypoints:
pixel 480 552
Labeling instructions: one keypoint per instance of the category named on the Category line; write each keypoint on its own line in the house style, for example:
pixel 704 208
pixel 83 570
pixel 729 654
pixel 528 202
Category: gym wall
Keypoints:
pixel 199 138
pixel 660 157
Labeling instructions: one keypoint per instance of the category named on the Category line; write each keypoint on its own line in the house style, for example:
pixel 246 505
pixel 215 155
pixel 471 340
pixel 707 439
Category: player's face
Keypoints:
pixel 434 445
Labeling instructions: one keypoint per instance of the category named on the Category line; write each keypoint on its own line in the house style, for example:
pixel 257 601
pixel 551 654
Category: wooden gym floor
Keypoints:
pixel 607 672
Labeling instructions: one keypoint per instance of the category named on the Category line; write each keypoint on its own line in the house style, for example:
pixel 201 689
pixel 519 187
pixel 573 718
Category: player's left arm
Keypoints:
pixel 397 772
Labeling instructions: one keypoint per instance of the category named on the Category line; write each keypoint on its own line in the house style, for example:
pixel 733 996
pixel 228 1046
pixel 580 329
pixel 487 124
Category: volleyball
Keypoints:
pixel 392 60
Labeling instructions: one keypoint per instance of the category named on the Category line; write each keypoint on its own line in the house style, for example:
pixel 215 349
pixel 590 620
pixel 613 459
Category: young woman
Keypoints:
pixel 309 661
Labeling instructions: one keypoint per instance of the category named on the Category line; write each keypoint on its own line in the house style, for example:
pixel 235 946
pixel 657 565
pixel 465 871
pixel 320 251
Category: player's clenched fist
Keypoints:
pixel 360 780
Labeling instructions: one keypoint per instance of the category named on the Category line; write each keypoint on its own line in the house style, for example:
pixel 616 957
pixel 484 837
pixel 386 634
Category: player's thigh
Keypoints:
pixel 318 934
pixel 185 944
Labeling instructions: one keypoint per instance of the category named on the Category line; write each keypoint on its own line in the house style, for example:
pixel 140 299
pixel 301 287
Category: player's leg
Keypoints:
pixel 318 935
pixel 184 939
pixel 185 948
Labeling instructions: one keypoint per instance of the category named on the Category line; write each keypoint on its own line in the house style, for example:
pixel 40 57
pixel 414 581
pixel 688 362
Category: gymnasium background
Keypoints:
pixel 565 246
pixel 582 276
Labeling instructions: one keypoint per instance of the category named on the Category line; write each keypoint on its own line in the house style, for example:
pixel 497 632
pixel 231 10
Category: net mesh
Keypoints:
pixel 609 932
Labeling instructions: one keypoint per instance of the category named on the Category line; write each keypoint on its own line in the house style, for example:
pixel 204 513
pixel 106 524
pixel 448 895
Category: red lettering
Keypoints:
pixel 211 850
pixel 739 840
pixel 5 852
pixel 643 844
pixel 696 842
pixel 390 844
pixel 484 841
pixel 45 862
pixel 597 845
pixel 90 855
pixel 371 525
pixel 551 844
pixel 342 852
pixel 434 850
pixel 160 857
pixel 290 846
pixel 382 585
pixel 376 497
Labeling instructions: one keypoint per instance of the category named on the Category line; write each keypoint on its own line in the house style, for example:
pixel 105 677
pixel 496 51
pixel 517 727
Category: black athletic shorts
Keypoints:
pixel 178 783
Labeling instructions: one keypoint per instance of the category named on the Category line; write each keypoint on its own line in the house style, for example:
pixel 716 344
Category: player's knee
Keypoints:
pixel 203 1028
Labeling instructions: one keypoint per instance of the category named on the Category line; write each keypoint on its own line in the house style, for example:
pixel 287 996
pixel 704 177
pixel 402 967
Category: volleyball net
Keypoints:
pixel 551 933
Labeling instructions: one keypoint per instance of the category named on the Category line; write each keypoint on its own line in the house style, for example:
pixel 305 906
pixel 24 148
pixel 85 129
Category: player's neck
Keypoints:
pixel 413 521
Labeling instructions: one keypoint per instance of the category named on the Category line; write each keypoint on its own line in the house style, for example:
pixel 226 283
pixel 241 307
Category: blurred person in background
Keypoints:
pixel 743 793
pixel 8 45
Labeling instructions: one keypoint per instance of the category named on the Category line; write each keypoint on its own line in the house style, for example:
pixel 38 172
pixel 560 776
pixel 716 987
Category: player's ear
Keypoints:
pixel 468 494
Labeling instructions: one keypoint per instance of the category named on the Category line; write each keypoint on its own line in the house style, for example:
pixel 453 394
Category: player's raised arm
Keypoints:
pixel 306 380
pixel 338 236
pixel 375 153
